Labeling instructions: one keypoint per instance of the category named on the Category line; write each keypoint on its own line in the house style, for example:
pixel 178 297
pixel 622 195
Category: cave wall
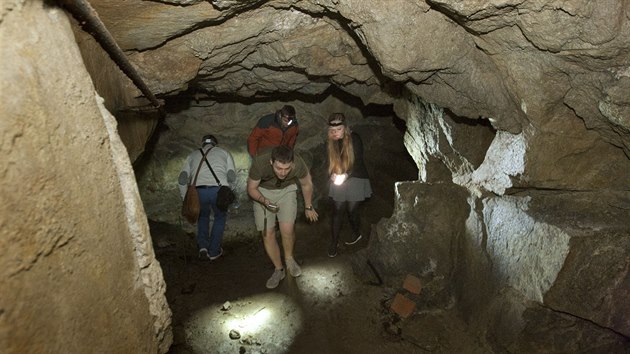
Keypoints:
pixel 78 272
pixel 549 80
pixel 519 254
pixel 137 118
pixel 519 64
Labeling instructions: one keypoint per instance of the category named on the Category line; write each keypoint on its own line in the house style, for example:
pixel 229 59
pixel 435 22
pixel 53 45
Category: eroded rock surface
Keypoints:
pixel 504 102
pixel 501 100
pixel 519 64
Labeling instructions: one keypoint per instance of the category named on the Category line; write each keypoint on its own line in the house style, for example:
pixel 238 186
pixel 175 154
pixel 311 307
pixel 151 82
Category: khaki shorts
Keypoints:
pixel 285 198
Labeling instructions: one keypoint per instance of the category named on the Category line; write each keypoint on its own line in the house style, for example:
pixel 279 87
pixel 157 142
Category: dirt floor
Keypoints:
pixel 224 307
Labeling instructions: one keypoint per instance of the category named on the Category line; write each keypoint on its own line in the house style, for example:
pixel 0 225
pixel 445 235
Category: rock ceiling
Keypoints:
pixel 540 64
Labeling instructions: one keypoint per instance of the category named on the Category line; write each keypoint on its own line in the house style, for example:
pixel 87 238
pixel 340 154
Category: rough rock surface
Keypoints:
pixel 523 266
pixel 516 63
pixel 75 251
pixel 498 97
pixel 502 100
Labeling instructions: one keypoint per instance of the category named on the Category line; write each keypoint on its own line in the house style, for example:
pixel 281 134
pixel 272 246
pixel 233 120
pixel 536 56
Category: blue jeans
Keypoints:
pixel 208 201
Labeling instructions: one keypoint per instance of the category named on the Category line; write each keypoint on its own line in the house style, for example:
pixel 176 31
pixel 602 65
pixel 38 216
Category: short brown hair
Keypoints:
pixel 288 111
pixel 282 154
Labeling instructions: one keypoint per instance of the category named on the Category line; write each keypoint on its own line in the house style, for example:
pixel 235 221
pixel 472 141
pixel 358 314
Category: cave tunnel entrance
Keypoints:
pixel 189 117
pixel 300 308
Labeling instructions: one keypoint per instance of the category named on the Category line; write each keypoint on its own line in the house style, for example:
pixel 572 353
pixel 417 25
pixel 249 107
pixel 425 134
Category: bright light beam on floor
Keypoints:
pixel 250 324
pixel 326 281
pixel 268 322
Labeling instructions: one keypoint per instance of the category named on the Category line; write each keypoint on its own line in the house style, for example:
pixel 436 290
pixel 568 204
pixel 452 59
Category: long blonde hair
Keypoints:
pixel 340 156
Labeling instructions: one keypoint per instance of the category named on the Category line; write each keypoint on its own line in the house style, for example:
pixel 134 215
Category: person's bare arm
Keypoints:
pixel 306 183
pixel 254 193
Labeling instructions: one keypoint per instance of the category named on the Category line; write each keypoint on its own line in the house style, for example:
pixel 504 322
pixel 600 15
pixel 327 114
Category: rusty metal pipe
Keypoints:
pixel 86 15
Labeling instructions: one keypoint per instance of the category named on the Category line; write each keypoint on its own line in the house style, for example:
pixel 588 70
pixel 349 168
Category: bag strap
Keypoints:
pixel 194 182
pixel 211 170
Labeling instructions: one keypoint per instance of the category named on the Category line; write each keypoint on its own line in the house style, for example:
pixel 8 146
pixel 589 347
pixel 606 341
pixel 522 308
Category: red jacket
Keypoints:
pixel 268 133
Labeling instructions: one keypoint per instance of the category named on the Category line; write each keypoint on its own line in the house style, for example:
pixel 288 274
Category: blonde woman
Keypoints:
pixel 349 181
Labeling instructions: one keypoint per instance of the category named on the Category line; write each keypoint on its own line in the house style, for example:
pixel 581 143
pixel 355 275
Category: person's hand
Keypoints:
pixel 338 179
pixel 311 215
pixel 272 207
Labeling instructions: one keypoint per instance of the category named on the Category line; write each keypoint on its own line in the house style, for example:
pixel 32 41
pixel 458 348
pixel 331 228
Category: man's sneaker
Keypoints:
pixel 293 267
pixel 277 275
pixel 332 250
pixel 355 240
pixel 217 256
pixel 203 255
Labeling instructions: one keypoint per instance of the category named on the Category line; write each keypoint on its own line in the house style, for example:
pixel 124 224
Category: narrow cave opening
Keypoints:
pixel 199 292
pixel 188 117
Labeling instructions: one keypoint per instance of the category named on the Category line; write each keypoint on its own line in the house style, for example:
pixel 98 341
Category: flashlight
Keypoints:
pixel 339 179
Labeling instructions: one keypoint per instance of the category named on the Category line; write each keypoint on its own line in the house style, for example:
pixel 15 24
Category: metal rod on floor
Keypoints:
pixel 84 13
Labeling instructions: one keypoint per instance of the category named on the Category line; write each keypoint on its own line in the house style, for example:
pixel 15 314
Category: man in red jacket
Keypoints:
pixel 279 128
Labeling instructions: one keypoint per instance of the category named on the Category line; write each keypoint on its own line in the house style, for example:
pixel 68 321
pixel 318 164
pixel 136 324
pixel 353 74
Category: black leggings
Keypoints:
pixel 339 209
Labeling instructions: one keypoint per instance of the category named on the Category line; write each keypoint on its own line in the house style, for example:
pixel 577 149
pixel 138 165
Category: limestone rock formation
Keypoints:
pixel 501 99
pixel 479 60
pixel 519 111
pixel 78 271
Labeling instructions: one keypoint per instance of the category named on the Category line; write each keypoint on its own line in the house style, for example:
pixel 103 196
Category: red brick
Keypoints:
pixel 402 305
pixel 412 284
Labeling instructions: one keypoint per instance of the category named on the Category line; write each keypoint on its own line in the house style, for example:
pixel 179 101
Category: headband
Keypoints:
pixel 335 123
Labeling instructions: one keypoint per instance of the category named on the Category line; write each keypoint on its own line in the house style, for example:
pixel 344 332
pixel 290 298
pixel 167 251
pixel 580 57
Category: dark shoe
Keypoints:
pixel 332 250
pixel 217 256
pixel 203 255
pixel 355 240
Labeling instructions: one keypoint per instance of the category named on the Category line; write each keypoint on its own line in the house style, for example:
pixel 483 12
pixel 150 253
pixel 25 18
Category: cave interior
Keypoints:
pixel 496 135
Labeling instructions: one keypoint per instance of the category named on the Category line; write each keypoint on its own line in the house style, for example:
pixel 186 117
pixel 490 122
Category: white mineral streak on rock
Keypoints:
pixel 505 158
pixel 525 254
